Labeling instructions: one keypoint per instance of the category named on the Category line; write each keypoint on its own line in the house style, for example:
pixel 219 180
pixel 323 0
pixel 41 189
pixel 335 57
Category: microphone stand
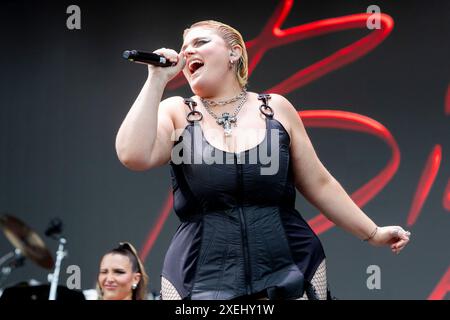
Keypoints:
pixel 10 261
pixel 60 254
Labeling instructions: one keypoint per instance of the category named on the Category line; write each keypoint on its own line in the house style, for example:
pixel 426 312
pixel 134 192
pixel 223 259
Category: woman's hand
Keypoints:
pixel 168 73
pixel 394 236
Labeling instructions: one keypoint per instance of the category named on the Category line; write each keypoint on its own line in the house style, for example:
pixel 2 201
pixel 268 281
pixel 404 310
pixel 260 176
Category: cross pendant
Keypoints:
pixel 225 121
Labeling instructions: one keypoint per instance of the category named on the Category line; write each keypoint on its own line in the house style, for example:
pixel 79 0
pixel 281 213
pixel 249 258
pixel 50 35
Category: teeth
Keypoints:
pixel 193 62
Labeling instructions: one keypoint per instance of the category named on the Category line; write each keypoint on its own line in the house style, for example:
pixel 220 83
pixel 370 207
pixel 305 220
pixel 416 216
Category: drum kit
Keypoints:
pixel 29 245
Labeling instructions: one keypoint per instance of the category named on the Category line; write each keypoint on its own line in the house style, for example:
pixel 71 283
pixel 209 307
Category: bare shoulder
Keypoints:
pixel 284 112
pixel 171 104
pixel 176 109
pixel 283 105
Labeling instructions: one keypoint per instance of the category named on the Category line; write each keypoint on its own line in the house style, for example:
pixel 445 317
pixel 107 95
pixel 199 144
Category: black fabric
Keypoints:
pixel 39 293
pixel 240 234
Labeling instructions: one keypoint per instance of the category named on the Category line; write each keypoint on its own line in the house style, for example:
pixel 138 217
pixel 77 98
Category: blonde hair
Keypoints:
pixel 232 37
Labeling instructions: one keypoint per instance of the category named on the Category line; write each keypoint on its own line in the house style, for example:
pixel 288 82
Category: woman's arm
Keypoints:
pixel 144 138
pixel 320 188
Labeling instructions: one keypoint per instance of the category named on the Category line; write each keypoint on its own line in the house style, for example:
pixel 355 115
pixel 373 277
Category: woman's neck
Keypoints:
pixel 222 93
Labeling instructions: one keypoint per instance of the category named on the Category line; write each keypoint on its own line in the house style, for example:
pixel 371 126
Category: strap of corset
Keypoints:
pixel 193 115
pixel 264 107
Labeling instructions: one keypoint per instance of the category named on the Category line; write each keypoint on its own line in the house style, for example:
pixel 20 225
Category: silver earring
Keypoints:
pixel 134 286
pixel 231 63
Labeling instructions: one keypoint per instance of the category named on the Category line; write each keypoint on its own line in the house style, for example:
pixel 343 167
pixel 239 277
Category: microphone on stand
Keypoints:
pixel 54 231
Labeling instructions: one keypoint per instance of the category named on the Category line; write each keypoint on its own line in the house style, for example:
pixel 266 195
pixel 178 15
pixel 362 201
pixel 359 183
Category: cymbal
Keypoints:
pixel 26 240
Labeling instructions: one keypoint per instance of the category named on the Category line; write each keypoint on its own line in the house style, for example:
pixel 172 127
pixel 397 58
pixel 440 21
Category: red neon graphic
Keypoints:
pixel 426 181
pixel 155 231
pixel 334 61
pixel 354 122
pixel 272 36
pixel 442 287
pixel 446 199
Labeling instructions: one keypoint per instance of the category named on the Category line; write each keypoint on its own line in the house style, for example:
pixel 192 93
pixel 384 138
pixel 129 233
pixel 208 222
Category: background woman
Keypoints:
pixel 122 275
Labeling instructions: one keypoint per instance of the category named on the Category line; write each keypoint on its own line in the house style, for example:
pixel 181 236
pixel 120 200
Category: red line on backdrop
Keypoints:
pixel 446 198
pixel 425 183
pixel 336 60
pixel 442 287
pixel 354 122
pixel 156 229
pixel 272 36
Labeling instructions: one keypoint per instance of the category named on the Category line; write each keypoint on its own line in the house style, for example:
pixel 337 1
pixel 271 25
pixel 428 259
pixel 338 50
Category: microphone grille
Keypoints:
pixel 126 54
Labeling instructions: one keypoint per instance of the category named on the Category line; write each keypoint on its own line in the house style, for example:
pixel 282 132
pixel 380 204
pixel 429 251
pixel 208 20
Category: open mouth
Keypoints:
pixel 194 65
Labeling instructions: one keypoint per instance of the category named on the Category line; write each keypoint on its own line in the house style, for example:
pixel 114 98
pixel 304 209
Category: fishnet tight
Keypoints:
pixel 319 286
pixel 168 291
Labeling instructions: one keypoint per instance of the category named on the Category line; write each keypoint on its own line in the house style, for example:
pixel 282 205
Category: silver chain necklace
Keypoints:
pixel 213 103
pixel 226 119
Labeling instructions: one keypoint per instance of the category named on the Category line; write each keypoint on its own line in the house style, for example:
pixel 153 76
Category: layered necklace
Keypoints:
pixel 226 119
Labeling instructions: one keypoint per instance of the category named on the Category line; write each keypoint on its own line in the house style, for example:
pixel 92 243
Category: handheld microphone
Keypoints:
pixel 147 57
